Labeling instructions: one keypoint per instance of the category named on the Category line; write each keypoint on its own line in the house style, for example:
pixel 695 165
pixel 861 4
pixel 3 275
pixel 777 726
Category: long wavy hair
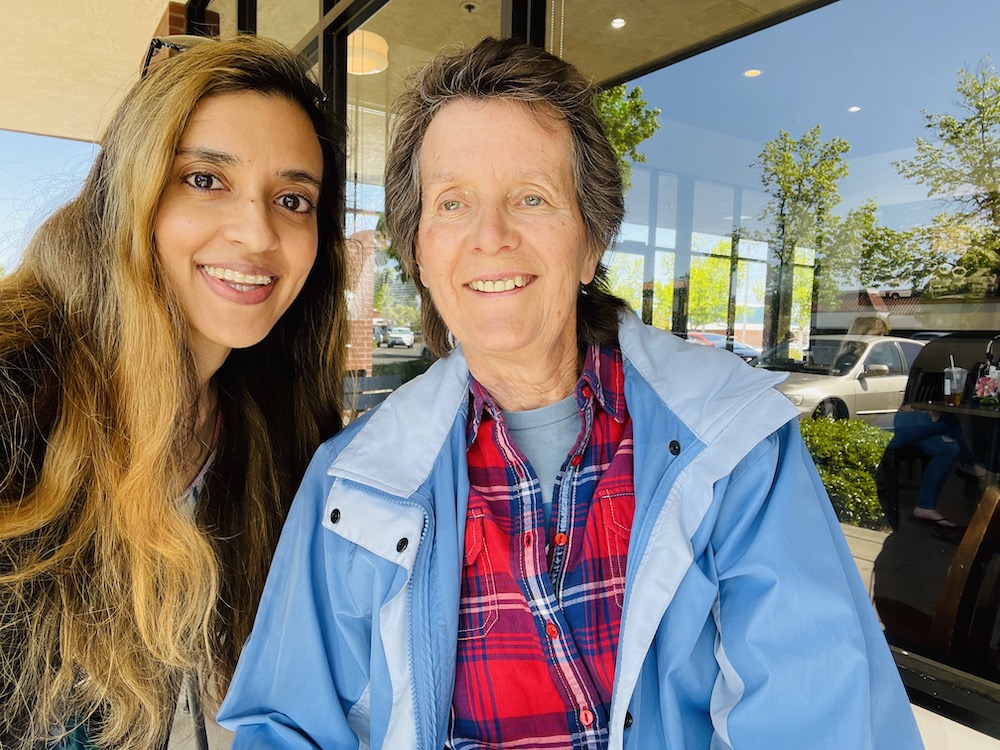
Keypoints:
pixel 551 88
pixel 110 590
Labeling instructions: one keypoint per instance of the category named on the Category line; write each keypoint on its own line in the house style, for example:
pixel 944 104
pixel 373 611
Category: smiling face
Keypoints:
pixel 236 231
pixel 501 244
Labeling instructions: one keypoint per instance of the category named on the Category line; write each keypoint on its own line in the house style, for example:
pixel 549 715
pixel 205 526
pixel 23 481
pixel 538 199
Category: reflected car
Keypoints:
pixel 749 354
pixel 401 336
pixel 847 377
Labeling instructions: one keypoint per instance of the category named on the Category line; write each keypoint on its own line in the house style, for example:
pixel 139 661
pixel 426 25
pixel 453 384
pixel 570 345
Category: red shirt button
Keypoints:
pixel 527 539
pixel 586 717
pixel 587 393
pixel 551 630
pixel 576 460
pixel 561 539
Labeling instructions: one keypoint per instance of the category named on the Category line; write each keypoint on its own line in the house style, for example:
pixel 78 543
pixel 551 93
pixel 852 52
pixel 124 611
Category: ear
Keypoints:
pixel 420 266
pixel 589 268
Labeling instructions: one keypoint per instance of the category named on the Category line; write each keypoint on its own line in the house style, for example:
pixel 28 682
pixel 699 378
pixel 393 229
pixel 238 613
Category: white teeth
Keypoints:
pixel 498 285
pixel 244 281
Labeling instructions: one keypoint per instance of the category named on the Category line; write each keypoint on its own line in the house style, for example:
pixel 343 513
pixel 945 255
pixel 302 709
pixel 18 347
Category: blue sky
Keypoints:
pixel 37 175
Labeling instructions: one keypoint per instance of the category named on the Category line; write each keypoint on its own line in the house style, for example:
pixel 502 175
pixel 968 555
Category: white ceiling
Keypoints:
pixel 65 76
pixel 64 64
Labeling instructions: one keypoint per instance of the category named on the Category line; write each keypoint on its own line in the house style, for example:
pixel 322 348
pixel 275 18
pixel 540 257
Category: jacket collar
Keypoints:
pixel 395 450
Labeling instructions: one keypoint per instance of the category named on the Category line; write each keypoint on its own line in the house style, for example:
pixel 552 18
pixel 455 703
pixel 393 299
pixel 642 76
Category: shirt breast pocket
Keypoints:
pixel 479 607
pixel 614 514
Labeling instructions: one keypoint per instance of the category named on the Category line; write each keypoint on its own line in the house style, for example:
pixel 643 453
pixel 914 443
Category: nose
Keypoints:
pixel 252 225
pixel 494 230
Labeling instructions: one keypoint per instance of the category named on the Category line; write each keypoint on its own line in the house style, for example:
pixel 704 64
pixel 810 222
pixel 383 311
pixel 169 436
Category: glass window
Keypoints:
pixel 381 52
pixel 825 189
pixel 885 354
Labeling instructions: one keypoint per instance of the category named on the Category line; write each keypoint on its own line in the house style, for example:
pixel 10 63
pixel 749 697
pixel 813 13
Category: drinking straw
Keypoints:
pixel 952 357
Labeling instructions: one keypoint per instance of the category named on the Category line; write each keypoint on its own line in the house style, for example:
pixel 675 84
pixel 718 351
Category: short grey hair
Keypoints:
pixel 550 87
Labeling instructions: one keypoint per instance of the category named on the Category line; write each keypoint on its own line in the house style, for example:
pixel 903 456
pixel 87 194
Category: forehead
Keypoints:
pixel 250 115
pixel 534 134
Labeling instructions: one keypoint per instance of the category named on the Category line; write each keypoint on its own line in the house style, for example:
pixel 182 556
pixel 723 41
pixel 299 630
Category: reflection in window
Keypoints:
pixel 853 181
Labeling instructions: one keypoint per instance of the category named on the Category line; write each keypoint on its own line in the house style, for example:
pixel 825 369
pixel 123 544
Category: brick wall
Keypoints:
pixel 361 250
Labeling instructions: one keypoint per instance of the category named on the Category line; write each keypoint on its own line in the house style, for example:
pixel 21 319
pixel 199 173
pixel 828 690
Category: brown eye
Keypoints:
pixel 294 202
pixel 202 181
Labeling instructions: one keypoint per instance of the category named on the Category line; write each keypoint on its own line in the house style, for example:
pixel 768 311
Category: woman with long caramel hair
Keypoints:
pixel 171 354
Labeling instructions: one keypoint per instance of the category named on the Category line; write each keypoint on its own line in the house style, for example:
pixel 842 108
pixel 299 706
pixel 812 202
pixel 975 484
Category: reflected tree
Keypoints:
pixel 960 164
pixel 801 176
pixel 627 123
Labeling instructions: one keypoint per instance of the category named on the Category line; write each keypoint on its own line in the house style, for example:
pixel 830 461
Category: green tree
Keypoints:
pixel 801 176
pixel 627 123
pixel 625 277
pixel 709 298
pixel 860 253
pixel 663 304
pixel 961 165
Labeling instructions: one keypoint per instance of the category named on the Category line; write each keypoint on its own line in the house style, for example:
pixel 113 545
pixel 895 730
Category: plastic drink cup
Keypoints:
pixel 954 384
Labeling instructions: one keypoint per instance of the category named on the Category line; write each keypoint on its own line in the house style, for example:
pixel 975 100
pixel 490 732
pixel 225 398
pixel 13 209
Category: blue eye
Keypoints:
pixel 533 200
pixel 450 205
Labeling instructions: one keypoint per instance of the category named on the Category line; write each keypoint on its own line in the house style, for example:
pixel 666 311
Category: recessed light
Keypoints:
pixel 617 23
pixel 855 108
pixel 752 73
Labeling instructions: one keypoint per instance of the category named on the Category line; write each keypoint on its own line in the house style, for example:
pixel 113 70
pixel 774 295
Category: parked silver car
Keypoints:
pixel 857 377
pixel 401 336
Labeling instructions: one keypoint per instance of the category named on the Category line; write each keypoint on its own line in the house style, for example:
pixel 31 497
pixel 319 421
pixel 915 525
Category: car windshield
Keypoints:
pixel 403 331
pixel 827 355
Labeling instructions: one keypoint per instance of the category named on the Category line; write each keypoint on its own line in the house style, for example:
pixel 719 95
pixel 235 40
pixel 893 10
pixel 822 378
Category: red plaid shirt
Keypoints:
pixel 539 617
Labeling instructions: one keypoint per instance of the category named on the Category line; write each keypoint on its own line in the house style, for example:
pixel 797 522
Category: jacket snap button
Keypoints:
pixel 402 544
pixel 675 447
pixel 628 719
pixel 335 515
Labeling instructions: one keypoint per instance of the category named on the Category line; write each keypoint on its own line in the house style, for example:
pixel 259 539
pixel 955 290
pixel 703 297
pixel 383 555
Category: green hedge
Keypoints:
pixel 847 453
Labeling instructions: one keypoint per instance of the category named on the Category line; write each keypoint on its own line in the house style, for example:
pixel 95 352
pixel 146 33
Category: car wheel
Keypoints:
pixel 829 409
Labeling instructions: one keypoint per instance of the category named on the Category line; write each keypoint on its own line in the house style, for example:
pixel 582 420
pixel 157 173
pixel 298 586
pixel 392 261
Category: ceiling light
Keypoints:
pixel 617 23
pixel 367 53
pixel 752 73
pixel 855 108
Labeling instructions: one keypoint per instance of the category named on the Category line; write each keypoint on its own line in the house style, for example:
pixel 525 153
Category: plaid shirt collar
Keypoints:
pixel 602 379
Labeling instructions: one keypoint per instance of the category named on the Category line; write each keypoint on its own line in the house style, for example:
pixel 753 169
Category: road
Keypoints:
pixel 383 355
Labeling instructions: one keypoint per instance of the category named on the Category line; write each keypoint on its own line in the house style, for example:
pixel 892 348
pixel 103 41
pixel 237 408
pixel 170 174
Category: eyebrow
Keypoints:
pixel 221 157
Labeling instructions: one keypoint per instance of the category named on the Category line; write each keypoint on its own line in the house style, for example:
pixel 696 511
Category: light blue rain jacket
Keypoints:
pixel 745 621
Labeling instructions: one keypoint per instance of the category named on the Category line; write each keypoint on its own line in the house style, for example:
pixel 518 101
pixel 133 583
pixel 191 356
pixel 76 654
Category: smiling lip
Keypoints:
pixel 502 284
pixel 238 286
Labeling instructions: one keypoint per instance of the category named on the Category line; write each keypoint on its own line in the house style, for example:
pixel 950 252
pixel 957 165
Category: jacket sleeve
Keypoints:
pixel 802 659
pixel 295 685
